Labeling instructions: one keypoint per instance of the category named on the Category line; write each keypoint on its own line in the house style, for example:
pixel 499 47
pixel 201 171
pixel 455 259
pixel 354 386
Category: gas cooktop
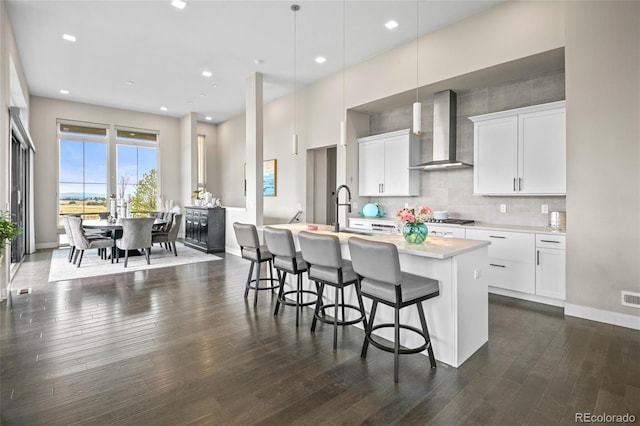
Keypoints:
pixel 452 221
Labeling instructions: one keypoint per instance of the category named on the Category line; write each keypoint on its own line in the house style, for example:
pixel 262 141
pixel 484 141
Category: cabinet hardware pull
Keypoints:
pixel 499 266
pixel 537 257
pixel 497 236
pixel 514 184
pixel 519 184
pixel 383 187
pixel 549 241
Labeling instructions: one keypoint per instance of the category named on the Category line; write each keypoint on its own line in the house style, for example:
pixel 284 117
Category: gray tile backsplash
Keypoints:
pixel 453 190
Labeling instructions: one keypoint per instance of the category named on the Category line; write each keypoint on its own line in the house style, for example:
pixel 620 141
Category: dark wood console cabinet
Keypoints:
pixel 205 229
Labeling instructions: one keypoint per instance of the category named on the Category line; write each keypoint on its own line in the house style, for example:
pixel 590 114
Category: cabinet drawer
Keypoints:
pixel 516 276
pixel 551 241
pixel 446 231
pixel 514 246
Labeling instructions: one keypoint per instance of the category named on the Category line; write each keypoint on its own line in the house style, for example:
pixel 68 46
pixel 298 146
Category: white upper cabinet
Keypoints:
pixel 384 161
pixel 521 151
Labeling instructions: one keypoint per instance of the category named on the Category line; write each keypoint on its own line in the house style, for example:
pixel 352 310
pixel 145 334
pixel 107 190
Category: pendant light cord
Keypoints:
pixel 344 55
pixel 295 8
pixel 417 49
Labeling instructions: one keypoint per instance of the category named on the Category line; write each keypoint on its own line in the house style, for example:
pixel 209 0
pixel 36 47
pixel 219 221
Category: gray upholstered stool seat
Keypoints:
pixel 288 261
pixel 326 267
pixel 252 250
pixel 381 280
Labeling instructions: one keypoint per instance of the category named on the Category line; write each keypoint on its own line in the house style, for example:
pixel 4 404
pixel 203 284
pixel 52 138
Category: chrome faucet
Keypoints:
pixel 338 204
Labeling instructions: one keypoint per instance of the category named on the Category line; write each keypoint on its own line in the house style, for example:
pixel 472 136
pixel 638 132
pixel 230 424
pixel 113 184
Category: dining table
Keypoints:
pixel 112 229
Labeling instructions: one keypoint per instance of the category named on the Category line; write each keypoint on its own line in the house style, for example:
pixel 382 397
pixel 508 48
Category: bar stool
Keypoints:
pixel 326 267
pixel 287 261
pixel 380 279
pixel 247 238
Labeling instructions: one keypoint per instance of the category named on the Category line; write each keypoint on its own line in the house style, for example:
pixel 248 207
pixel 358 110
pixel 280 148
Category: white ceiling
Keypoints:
pixel 164 50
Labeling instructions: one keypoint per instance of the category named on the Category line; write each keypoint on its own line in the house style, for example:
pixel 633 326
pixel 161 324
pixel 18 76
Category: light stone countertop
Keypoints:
pixel 488 226
pixel 433 247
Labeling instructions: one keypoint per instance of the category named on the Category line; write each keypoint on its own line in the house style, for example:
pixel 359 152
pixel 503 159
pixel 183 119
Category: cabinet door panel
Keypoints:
pixel 542 163
pixel 551 273
pixel 396 172
pixel 371 168
pixel 495 155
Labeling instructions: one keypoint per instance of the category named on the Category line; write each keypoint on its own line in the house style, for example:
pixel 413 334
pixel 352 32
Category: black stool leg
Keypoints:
pixel 396 344
pixel 344 316
pixel 335 320
pixel 364 317
pixel 246 290
pixel 367 333
pixel 271 276
pixel 425 330
pixel 281 278
pixel 319 290
pixel 298 297
pixel 255 296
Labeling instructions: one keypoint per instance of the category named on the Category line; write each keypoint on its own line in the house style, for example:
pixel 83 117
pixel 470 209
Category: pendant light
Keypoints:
pixel 294 141
pixel 417 106
pixel 343 122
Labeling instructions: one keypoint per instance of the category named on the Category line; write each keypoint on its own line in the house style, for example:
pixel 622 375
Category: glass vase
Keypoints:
pixel 414 232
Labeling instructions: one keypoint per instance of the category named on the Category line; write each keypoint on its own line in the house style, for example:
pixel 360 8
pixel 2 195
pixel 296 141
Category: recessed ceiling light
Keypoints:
pixel 214 85
pixel 163 108
pixel 69 37
pixel 130 83
pixel 258 61
pixel 208 118
pixel 178 4
pixel 207 73
pixel 190 102
pixel 64 92
pixel 391 24
pixel 321 59
pixel 202 95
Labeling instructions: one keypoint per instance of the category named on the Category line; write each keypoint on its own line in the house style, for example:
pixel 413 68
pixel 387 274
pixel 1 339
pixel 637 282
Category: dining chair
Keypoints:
pixel 136 234
pixel 169 237
pixel 82 242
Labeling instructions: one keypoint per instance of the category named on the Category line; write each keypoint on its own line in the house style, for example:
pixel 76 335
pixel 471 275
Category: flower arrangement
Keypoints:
pixel 413 228
pixel 413 215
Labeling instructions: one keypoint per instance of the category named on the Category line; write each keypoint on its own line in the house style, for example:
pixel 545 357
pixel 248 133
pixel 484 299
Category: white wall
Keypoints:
pixel 209 131
pixel 8 55
pixel 45 112
pixel 603 154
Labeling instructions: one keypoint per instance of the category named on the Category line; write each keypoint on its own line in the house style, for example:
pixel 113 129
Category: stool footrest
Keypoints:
pixel 326 320
pixel 387 348
pixel 290 302
pixel 253 287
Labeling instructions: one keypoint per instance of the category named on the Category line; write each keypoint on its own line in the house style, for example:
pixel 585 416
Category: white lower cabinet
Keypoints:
pixel 550 266
pixel 511 259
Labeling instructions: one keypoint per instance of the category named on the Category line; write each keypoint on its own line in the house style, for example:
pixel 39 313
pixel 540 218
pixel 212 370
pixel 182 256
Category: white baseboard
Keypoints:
pixel 526 296
pixel 40 246
pixel 599 315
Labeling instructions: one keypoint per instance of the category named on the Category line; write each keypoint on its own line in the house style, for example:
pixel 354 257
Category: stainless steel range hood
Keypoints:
pixel 444 135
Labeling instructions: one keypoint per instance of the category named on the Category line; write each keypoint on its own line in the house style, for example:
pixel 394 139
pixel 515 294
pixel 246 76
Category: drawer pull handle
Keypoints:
pixel 496 265
pixel 550 241
pixel 537 257
pixel 514 184
pixel 497 236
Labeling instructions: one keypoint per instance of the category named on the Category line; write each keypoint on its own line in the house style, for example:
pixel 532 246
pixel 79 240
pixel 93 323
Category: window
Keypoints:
pixel 137 168
pixel 202 162
pixel 82 169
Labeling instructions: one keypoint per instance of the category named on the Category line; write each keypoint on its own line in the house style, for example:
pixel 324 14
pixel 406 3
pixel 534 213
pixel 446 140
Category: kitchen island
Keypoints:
pixel 458 318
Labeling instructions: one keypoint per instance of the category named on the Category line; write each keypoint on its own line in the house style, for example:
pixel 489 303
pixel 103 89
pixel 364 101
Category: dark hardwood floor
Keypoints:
pixel 181 346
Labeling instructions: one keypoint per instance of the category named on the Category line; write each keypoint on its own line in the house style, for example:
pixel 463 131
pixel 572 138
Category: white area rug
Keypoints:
pixel 93 266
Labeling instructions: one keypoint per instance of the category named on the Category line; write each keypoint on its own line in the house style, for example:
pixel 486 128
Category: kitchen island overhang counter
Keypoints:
pixel 458 318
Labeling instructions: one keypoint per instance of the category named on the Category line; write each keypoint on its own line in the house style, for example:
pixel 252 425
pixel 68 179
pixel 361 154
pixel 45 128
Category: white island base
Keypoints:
pixel 458 319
